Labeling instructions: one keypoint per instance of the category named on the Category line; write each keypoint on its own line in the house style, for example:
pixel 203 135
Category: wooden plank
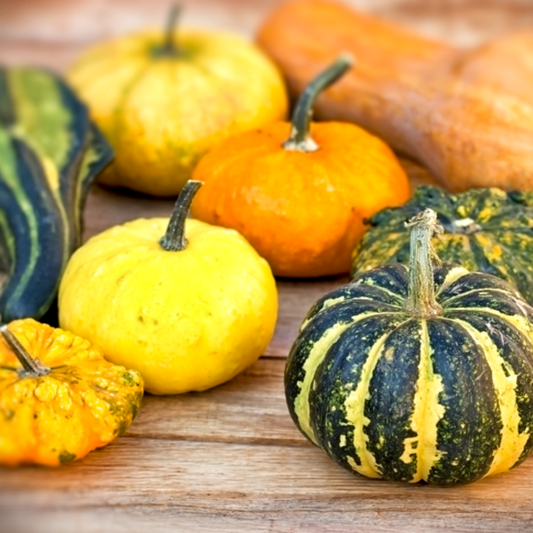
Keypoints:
pixel 81 22
pixel 250 408
pixel 161 519
pixel 289 488
pixel 106 208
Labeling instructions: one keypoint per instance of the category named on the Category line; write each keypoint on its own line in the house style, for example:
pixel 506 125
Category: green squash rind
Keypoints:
pixel 482 341
pixel 501 245
pixel 50 153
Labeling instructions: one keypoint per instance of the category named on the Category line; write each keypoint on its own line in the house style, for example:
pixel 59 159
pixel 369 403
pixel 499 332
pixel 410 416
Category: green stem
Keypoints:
pixel 300 139
pixel 169 47
pixel 31 366
pixel 174 239
pixel 421 301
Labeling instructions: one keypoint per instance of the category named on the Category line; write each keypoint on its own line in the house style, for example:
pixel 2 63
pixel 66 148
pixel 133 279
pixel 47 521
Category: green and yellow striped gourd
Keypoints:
pixel 417 374
pixel 487 230
pixel 50 153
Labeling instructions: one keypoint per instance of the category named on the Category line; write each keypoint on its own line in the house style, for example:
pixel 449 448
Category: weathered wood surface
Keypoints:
pixel 230 459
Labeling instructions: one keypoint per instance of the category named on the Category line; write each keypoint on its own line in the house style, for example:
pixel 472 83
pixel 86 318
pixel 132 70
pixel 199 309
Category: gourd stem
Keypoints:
pixel 421 301
pixel 169 46
pixel 300 139
pixel 174 239
pixel 31 366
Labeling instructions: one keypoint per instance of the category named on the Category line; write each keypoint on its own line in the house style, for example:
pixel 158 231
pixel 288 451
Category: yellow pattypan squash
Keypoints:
pixel 188 311
pixel 164 101
pixel 59 398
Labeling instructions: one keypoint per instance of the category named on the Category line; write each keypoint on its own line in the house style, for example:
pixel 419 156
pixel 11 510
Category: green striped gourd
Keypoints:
pixel 487 230
pixel 50 153
pixel 417 374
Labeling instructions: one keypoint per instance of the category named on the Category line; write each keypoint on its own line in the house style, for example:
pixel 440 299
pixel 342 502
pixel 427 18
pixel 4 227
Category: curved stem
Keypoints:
pixel 421 300
pixel 300 139
pixel 174 239
pixel 32 367
pixel 169 46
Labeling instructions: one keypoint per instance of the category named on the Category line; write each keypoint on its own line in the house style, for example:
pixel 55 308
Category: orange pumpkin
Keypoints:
pixel 59 397
pixel 299 192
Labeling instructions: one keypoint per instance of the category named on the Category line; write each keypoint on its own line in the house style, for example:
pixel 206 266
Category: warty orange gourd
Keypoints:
pixel 59 397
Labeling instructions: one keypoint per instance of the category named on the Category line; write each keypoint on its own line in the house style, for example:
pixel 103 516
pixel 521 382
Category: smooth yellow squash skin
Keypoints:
pixel 161 112
pixel 186 320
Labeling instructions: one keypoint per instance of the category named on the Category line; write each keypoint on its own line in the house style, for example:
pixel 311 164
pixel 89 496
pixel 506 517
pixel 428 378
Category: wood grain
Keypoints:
pixel 230 459
pixel 250 409
pixel 183 477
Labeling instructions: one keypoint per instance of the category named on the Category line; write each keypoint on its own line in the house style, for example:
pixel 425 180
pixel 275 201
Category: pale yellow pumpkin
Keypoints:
pixel 187 319
pixel 162 105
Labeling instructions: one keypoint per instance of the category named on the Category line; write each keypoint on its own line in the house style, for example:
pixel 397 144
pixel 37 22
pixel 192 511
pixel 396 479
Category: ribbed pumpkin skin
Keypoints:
pixel 500 241
pixel 445 400
pixel 303 212
pixel 163 111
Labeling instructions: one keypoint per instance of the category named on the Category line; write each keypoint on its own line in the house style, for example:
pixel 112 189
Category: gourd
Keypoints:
pixel 419 373
pixel 187 304
pixel 50 153
pixel 485 230
pixel 59 397
pixel 299 192
pixel 164 99
pixel 466 114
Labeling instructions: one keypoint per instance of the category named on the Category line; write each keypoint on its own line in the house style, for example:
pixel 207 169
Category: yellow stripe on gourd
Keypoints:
pixel 313 361
pixel 8 169
pixel 355 413
pixel 325 305
pixel 521 323
pixel 316 356
pixel 504 380
pixel 492 250
pixel 453 275
pixel 426 413
pixel 52 174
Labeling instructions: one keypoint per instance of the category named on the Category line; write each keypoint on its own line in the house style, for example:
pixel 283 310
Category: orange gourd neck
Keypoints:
pixel 31 367
pixel 174 239
pixel 300 139
pixel 421 301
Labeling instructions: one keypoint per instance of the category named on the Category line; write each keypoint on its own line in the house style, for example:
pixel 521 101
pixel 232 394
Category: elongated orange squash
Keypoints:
pixel 466 114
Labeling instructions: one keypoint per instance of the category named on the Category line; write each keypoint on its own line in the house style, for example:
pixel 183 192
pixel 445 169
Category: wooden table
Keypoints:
pixel 230 459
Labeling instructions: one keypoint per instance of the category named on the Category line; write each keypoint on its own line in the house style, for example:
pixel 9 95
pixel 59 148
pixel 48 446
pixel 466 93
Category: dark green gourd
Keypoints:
pixel 487 230
pixel 417 374
pixel 50 153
